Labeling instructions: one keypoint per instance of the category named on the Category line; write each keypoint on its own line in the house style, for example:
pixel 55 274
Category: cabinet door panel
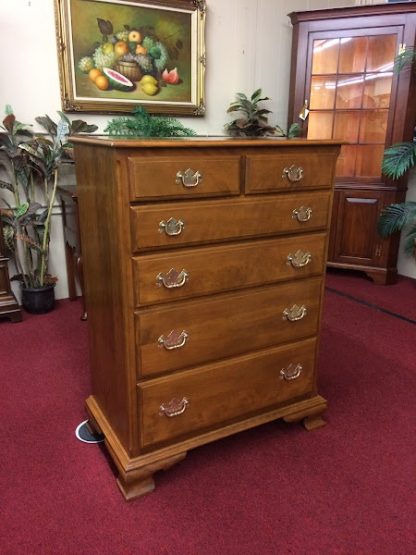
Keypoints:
pixel 356 229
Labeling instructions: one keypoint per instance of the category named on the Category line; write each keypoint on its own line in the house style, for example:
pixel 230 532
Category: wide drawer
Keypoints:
pixel 187 223
pixel 195 332
pixel 155 177
pixel 193 272
pixel 294 169
pixel 209 396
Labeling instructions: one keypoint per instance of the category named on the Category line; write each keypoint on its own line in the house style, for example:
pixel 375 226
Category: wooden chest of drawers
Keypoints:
pixel 203 265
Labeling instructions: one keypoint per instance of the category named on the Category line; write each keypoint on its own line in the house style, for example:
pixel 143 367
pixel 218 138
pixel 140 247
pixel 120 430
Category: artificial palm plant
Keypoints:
pixel 30 163
pixel 398 160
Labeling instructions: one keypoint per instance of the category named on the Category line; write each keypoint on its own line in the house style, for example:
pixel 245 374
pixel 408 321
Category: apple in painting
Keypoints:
pixel 121 48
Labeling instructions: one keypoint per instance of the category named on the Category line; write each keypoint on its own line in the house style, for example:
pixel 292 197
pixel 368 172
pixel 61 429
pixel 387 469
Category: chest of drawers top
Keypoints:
pixel 198 167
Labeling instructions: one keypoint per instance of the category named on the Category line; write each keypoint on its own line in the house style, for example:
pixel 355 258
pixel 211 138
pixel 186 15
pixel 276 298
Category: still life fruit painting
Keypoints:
pixel 132 51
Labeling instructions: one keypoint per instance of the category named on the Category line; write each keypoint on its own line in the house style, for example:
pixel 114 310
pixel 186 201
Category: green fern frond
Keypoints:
pixel 294 131
pixel 398 159
pixel 410 242
pixel 142 124
pixel 404 59
pixel 395 217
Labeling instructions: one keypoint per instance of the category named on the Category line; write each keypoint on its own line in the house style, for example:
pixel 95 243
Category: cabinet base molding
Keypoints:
pixel 11 310
pixel 137 482
pixel 380 276
pixel 135 473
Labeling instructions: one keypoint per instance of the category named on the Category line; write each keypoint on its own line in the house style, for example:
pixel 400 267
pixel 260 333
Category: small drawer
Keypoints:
pixel 193 272
pixel 195 332
pixel 209 396
pixel 188 223
pixel 294 169
pixel 190 176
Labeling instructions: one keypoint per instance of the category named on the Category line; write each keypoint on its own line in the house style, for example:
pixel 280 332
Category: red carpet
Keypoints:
pixel 347 488
pixel 397 298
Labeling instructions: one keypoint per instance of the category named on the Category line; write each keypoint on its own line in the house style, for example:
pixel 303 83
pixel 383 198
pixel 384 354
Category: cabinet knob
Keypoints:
pixel 291 372
pixel 174 340
pixel 299 259
pixel 189 178
pixel 174 407
pixel 171 227
pixel 295 313
pixel 302 214
pixel 293 173
pixel 172 279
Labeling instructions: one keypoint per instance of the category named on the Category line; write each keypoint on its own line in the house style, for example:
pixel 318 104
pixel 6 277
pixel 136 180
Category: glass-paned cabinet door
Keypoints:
pixel 350 91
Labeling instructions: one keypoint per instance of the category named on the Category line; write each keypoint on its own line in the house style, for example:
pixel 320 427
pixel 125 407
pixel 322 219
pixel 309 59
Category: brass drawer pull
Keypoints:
pixel 295 313
pixel 175 340
pixel 293 173
pixel 172 279
pixel 299 259
pixel 292 372
pixel 175 407
pixel 171 227
pixel 302 214
pixel 189 178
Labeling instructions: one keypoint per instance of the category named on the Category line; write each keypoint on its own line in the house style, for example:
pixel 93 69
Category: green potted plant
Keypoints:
pixel 30 163
pixel 142 124
pixel 398 160
pixel 252 120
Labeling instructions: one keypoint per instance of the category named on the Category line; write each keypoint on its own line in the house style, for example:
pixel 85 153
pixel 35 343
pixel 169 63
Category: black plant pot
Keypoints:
pixel 38 300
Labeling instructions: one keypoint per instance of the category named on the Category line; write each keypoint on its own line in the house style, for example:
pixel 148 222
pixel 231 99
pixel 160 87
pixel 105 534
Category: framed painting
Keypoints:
pixel 114 55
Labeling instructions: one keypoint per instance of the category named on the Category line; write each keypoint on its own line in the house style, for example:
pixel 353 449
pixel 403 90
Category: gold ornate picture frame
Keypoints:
pixel 115 55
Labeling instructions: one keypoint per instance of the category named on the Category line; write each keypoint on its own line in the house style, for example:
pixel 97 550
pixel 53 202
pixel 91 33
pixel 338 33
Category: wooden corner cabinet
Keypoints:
pixel 343 87
pixel 203 273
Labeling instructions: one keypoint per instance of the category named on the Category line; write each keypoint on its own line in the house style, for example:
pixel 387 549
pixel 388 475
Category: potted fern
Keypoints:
pixel 399 159
pixel 142 124
pixel 30 165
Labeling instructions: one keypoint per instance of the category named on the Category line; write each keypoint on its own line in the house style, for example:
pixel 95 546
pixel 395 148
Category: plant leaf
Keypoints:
pixel 395 217
pixel 398 159
pixel 105 26
pixel 294 130
pixel 256 95
pixel 62 130
pixel 80 126
pixel 6 185
pixel 8 122
pixel 404 59
pixel 410 242
pixel 8 236
pixel 21 209
pixel 47 123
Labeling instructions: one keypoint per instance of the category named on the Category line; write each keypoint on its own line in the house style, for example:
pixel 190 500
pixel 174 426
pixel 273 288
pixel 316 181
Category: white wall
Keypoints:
pixel 248 46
